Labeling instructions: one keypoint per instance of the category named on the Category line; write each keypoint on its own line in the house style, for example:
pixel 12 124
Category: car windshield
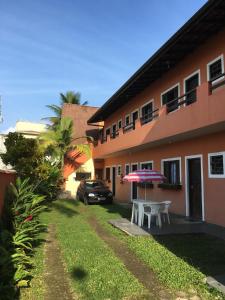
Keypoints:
pixel 94 184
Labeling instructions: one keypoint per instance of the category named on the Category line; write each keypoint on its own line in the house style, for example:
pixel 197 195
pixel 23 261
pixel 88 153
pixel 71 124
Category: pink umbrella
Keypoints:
pixel 144 175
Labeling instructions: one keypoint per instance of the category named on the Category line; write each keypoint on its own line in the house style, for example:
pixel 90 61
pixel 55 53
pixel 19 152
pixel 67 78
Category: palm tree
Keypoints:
pixel 59 140
pixel 70 97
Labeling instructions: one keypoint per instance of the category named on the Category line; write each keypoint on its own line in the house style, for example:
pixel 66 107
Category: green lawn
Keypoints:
pixel 180 262
pixel 94 270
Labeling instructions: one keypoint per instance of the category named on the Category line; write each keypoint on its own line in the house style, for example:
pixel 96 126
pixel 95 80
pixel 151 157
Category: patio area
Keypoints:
pixel 178 225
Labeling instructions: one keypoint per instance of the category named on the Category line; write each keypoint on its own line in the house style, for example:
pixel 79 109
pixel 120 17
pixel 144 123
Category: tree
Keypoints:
pixel 58 141
pixel 28 159
pixel 69 97
pixel 22 154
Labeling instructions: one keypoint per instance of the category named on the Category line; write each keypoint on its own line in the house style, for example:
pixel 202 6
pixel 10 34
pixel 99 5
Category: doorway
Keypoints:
pixel 194 188
pixel 134 187
pixel 114 180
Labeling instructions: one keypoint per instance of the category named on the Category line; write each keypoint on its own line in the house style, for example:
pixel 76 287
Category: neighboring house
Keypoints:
pixel 170 116
pixel 30 129
pixel 78 166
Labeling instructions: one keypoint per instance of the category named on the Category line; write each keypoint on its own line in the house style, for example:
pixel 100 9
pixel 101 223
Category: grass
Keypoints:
pixel 36 289
pixel 95 272
pixel 181 262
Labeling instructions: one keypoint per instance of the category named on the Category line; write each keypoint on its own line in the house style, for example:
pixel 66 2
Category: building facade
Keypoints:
pixel 170 116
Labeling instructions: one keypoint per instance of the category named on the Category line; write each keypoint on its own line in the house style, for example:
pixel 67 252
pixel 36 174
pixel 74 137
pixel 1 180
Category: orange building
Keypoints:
pixel 170 116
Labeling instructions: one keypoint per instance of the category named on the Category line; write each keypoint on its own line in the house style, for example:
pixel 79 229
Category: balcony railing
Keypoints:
pixel 128 127
pixel 189 98
pixel 149 116
pixel 214 85
pixel 114 134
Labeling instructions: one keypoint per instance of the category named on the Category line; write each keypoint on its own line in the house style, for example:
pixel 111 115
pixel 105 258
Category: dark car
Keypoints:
pixel 94 191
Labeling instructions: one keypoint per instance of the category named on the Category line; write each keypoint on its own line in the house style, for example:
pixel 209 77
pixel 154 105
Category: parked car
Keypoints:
pixel 94 191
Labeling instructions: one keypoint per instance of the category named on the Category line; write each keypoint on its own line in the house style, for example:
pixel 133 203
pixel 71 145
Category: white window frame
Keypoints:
pixel 211 62
pixel 128 115
pixel 107 129
pixel 187 185
pixel 131 186
pixel 147 162
pixel 117 170
pixel 209 165
pixel 171 159
pixel 166 91
pixel 131 114
pixel 191 75
pixel 150 101
pixel 188 77
pixel 120 120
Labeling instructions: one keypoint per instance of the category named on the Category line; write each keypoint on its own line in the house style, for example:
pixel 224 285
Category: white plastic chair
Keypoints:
pixel 165 211
pixel 153 209
pixel 134 216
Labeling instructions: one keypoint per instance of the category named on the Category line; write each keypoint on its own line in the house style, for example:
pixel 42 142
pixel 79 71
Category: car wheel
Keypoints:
pixel 85 200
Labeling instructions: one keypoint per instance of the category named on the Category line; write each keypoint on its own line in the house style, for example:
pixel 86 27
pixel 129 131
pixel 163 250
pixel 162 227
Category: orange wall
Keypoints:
pixel 5 180
pixel 196 60
pixel 214 189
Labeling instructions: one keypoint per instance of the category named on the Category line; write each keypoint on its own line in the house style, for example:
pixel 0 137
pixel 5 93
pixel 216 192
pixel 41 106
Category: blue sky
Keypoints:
pixel 51 46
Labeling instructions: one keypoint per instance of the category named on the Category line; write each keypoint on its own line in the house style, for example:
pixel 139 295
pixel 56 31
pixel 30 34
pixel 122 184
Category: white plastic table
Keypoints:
pixel 140 204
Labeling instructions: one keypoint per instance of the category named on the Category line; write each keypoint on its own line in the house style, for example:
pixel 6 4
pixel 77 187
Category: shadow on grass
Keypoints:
pixel 63 207
pixel 78 273
pixel 205 253
pixel 123 211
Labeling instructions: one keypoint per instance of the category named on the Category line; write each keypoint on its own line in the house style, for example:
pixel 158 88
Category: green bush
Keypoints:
pixel 20 228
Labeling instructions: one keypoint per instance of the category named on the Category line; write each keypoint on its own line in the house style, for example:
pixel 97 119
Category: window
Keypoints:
pixel 146 112
pixel 114 131
pixel 119 124
pixel 134 115
pixel 119 170
pixel 216 165
pixel 171 170
pixel 148 165
pixel 82 176
pixel 127 169
pixel 190 85
pixel 215 68
pixel 127 120
pixel 168 98
pixel 107 173
pixel 107 131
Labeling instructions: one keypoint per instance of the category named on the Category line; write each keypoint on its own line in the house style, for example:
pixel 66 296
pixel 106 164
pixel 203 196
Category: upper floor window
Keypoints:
pixel 146 112
pixel 147 165
pixel 172 170
pixel 114 131
pixel 127 120
pixel 134 115
pixel 119 124
pixel 107 131
pixel 170 98
pixel 190 85
pixel 216 165
pixel 215 68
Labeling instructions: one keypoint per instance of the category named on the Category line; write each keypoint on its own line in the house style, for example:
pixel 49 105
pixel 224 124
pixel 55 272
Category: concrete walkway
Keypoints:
pixel 179 225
